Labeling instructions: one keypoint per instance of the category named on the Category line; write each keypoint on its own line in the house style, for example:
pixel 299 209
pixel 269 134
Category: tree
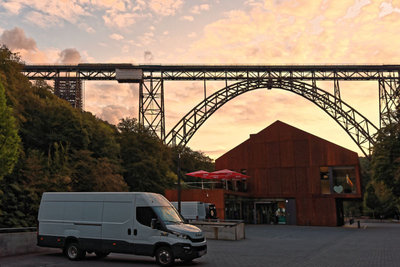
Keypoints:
pixel 9 139
pixel 146 160
pixel 371 200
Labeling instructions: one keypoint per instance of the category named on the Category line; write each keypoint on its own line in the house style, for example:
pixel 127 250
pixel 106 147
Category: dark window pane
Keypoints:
pixel 144 215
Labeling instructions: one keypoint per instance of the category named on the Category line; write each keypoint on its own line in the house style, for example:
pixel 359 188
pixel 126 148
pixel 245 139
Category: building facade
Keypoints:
pixel 296 178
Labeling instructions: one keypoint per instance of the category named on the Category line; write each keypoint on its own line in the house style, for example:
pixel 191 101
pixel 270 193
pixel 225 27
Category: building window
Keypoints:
pixel 338 180
pixel 325 183
pixel 344 180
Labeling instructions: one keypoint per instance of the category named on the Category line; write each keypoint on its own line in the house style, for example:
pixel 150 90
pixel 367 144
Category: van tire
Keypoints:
pixel 164 256
pixel 73 252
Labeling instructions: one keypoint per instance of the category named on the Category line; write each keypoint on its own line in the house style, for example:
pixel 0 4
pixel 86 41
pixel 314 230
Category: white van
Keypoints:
pixel 126 222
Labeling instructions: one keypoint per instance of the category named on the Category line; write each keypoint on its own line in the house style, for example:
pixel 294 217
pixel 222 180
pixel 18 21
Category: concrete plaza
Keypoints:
pixel 375 244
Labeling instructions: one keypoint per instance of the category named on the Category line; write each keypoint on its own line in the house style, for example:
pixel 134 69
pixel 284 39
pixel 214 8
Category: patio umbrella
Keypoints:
pixel 227 174
pixel 200 174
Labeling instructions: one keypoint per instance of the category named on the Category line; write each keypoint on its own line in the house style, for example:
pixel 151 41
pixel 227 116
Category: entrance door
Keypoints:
pixel 291 211
pixel 265 212
pixel 339 212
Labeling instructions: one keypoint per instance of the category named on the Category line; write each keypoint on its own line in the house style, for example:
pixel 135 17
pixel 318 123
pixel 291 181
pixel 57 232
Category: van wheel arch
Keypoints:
pixel 158 245
pixel 73 240
pixel 164 255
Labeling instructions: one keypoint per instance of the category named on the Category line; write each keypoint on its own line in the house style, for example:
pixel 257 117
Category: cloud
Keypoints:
pixel 113 113
pixel 70 56
pixel 111 101
pixel 387 9
pixel 355 9
pixel 12 7
pixel 42 20
pixel 192 35
pixel 198 8
pixel 16 39
pixel 41 11
pixel 113 18
pixel 116 36
pixel 90 30
pixel 187 18
pixel 147 38
pixel 165 7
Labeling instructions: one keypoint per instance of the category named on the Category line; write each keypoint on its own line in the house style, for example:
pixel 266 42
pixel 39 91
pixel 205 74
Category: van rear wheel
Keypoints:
pixel 164 256
pixel 73 252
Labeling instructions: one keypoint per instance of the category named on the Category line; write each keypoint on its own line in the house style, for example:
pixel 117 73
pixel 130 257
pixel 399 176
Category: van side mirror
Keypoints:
pixel 154 223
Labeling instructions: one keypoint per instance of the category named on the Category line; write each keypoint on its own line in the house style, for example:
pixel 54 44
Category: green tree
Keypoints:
pixel 145 159
pixel 371 200
pixel 9 139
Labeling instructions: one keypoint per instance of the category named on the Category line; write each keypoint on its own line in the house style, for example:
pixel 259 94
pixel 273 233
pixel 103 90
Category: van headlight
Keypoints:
pixel 180 235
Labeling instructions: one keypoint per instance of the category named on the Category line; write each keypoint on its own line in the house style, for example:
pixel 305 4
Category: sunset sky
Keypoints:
pixel 212 32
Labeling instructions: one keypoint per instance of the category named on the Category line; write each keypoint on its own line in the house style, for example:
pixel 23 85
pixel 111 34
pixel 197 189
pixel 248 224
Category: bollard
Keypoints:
pixel 358 224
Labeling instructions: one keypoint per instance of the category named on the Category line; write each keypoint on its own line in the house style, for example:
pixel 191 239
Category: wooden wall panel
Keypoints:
pixel 274 181
pixel 314 180
pixel 302 181
pixel 288 181
pixel 301 153
pixel 286 153
pixel 273 158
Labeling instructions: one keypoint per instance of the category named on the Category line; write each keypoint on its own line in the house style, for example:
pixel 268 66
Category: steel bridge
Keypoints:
pixel 299 79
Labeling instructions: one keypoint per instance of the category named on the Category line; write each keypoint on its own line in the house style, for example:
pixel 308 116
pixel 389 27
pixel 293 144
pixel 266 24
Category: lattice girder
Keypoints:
pixel 355 124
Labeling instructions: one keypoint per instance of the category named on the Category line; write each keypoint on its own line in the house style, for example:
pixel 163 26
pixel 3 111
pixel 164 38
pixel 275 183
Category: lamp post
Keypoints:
pixel 179 182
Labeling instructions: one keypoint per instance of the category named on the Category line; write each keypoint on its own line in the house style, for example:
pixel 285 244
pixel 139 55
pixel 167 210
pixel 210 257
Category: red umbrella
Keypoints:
pixel 227 174
pixel 200 174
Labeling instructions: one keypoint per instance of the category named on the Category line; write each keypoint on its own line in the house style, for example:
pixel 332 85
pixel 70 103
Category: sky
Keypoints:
pixel 169 32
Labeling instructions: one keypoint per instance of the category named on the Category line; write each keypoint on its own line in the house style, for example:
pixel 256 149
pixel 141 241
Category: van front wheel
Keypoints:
pixel 164 256
pixel 73 252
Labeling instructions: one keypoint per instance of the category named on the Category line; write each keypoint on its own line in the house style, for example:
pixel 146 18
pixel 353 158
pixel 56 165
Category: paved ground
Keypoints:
pixel 267 245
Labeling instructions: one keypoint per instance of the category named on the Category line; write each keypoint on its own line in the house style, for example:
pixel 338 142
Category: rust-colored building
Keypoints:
pixel 296 178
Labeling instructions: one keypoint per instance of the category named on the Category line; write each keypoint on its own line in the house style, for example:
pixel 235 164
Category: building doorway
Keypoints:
pixel 266 213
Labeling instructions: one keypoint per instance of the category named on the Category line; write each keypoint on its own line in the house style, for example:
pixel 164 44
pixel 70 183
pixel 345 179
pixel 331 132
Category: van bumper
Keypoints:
pixel 186 251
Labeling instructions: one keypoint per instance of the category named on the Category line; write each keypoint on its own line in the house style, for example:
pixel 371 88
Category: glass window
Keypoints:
pixel 344 180
pixel 325 184
pixel 168 214
pixel 144 215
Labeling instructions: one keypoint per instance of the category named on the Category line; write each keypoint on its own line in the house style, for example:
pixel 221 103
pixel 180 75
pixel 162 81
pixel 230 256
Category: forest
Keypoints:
pixel 46 145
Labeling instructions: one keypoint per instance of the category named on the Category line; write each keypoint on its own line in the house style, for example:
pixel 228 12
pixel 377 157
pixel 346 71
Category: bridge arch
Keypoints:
pixel 357 126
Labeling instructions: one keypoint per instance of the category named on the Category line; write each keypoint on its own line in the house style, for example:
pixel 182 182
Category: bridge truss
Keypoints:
pixel 299 79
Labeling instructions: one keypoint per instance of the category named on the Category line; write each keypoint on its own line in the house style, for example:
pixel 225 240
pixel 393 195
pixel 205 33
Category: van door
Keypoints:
pixel 144 236
pixel 117 227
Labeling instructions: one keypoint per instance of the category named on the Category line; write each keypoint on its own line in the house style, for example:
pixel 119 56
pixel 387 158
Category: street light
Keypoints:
pixel 179 182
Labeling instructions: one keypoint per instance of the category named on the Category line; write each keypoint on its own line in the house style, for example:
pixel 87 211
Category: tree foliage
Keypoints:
pixel 385 167
pixel 146 160
pixel 9 138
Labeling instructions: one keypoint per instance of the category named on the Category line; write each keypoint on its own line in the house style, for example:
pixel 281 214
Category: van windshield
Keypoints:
pixel 168 215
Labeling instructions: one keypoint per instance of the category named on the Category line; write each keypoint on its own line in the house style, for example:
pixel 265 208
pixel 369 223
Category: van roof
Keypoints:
pixel 95 196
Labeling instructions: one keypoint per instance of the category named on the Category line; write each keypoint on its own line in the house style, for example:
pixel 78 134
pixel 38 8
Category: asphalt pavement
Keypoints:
pixel 375 244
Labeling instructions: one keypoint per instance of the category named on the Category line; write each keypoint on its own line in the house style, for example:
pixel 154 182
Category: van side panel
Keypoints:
pixel 117 231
